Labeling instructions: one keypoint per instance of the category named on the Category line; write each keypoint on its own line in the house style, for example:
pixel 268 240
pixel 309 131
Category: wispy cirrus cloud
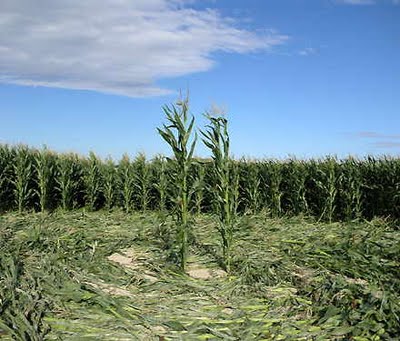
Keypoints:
pixel 367 2
pixel 357 2
pixel 387 144
pixel 379 140
pixel 376 135
pixel 116 46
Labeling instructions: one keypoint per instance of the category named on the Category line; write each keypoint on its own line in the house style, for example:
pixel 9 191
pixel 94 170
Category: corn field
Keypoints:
pixel 328 189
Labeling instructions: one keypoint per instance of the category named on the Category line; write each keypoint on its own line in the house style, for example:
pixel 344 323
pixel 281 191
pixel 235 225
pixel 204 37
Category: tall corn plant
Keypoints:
pixel 161 182
pixel 396 188
pixel 44 169
pixel 178 134
pixel 235 186
pixel 6 170
pixel 198 186
pixel 272 179
pixel 351 189
pixel 68 175
pixel 372 188
pixel 109 174
pixel 142 182
pixel 216 138
pixel 251 185
pixel 295 178
pixel 93 182
pixel 126 181
pixel 23 172
pixel 388 178
pixel 328 183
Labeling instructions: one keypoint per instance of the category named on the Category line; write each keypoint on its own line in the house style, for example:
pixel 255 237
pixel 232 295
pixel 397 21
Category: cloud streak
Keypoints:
pixel 387 144
pixel 375 135
pixel 115 46
pixel 357 2
pixel 379 140
pixel 367 2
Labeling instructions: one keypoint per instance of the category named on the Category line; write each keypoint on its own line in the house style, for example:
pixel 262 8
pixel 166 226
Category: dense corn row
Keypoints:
pixel 329 189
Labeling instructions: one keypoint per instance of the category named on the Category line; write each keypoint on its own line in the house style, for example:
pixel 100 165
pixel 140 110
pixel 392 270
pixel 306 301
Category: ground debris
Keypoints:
pixel 96 283
pixel 131 259
pixel 110 289
pixel 197 272
pixel 122 260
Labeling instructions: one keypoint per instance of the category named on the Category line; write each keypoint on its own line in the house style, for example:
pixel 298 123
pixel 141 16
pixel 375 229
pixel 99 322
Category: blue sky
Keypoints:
pixel 296 77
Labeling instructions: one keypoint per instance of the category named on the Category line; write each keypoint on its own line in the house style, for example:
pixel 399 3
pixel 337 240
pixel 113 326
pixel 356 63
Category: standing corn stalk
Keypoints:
pixel 109 172
pixel 252 187
pixel 295 176
pixel 92 180
pixel 44 169
pixel 22 177
pixel 161 182
pixel 275 181
pixel 329 182
pixel 351 189
pixel 142 182
pixel 216 138
pixel 67 179
pixel 198 186
pixel 178 134
pixel 6 168
pixel 235 187
pixel 126 182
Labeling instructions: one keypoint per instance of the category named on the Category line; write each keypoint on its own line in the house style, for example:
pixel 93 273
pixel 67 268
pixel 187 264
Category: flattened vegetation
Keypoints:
pixel 110 276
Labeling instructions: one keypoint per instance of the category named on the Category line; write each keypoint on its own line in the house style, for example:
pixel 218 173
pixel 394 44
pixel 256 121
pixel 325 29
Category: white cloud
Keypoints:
pixel 115 46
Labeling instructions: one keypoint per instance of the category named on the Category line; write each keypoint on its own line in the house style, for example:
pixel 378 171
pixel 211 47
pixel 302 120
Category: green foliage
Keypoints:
pixel 328 180
pixel 178 135
pixel 216 138
pixel 329 189
pixel 109 175
pixel 68 178
pixel 251 183
pixel 6 176
pixel 198 186
pixel 272 181
pixel 23 171
pixel 93 182
pixel 350 189
pixel 381 180
pixel 291 279
pixel 126 177
pixel 142 182
pixel 44 169
pixel 294 188
pixel 22 305
pixel 160 182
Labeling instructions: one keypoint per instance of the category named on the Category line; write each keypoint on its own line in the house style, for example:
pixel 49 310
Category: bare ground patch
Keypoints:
pixel 110 289
pixel 197 272
pixel 134 260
